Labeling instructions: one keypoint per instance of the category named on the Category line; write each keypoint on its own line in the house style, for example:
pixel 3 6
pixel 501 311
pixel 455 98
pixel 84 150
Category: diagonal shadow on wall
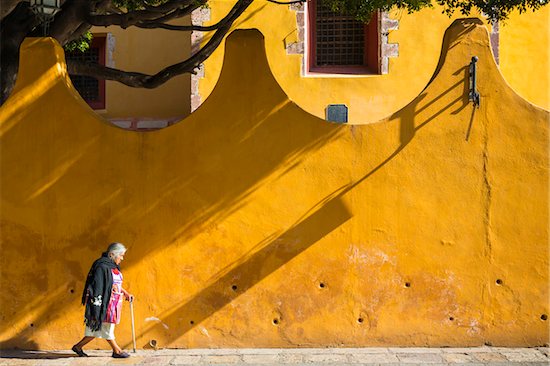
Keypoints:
pixel 203 203
pixel 274 252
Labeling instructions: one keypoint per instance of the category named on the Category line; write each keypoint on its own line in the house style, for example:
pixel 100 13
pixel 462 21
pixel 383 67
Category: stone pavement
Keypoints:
pixel 477 356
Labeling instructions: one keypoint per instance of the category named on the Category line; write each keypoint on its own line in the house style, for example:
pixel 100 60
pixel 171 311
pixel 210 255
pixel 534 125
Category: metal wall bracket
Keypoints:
pixel 473 96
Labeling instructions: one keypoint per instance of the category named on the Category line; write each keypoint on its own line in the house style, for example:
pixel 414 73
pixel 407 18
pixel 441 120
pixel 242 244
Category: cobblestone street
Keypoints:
pixel 490 356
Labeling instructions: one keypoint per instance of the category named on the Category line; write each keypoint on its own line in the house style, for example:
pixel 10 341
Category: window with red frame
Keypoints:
pixel 340 44
pixel 92 90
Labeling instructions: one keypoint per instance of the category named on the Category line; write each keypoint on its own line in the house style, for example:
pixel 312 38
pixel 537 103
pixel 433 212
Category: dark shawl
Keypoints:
pixel 97 291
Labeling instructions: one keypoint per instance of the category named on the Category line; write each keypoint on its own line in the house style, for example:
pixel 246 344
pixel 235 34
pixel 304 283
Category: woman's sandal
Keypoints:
pixel 79 352
pixel 121 355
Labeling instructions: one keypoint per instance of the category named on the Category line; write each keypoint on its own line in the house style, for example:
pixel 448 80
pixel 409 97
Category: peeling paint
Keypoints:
pixel 154 319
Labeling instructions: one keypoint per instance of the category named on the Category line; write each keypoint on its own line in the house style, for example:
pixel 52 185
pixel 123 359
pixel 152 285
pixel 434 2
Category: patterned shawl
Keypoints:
pixel 97 291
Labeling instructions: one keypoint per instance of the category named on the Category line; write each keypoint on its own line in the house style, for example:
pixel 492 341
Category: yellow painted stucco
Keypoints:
pixel 372 97
pixel 252 212
pixel 147 51
pixel 525 55
pixel 524 63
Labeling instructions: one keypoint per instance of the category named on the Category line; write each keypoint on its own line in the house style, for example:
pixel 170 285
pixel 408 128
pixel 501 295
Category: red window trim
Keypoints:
pixel 99 41
pixel 372 48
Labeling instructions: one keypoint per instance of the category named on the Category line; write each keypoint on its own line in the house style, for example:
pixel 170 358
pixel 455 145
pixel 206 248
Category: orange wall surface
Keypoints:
pixel 252 223
pixel 525 55
pixel 523 62
pixel 524 59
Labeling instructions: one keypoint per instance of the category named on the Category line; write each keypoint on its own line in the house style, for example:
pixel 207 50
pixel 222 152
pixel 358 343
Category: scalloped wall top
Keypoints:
pixel 236 215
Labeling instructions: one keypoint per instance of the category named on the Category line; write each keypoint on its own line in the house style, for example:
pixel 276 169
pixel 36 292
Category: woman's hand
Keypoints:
pixel 128 296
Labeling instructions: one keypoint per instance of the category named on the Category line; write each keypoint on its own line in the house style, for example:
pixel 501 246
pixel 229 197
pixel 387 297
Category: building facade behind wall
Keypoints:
pixel 311 52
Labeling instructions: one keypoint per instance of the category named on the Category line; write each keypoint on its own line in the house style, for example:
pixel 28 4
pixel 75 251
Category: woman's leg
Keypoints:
pixel 114 346
pixel 84 341
pixel 77 348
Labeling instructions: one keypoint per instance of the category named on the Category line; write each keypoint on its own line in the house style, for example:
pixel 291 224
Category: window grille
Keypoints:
pixel 340 38
pixel 90 89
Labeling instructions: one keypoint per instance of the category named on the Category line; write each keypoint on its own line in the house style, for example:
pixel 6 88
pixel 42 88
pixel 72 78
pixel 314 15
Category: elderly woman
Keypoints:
pixel 103 295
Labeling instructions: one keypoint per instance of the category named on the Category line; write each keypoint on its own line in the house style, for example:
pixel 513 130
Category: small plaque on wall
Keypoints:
pixel 337 113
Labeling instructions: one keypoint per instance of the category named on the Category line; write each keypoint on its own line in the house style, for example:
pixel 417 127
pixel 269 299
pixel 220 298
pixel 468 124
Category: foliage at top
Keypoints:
pixel 494 10
pixel 71 28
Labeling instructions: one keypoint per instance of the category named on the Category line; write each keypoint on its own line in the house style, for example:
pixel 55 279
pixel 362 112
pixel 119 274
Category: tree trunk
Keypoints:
pixel 14 28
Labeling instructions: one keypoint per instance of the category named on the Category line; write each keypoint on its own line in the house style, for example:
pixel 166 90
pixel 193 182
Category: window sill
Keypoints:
pixel 328 75
pixel 340 72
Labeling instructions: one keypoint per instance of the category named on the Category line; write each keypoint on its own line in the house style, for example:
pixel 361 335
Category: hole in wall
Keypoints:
pixel 451 318
pixel 407 284
pixel 321 285
pixel 488 344
pixel 275 321
pixel 234 287
pixel 544 317
pixel 499 281
pixel 360 320
pixel 32 325
pixel 72 291
pixel 192 322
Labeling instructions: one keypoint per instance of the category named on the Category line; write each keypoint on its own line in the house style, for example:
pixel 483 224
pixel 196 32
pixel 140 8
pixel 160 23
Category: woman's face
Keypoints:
pixel 119 258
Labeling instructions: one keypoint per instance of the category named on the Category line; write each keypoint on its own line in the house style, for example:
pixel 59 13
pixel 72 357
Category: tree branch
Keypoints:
pixel 160 14
pixel 6 7
pixel 136 79
pixel 14 27
pixel 286 2
pixel 69 19
pixel 200 28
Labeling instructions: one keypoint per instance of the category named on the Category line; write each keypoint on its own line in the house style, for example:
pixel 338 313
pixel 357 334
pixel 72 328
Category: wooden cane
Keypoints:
pixel 133 330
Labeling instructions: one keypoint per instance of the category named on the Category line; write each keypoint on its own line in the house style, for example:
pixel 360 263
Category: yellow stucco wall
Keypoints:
pixel 523 62
pixel 148 51
pixel 408 223
pixel 372 97
pixel 525 55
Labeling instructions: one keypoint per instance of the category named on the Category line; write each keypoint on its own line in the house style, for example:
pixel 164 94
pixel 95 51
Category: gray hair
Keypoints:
pixel 115 249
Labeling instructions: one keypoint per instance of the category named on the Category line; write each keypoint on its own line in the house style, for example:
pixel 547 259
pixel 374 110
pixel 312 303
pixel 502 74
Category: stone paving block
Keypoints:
pixel 293 358
pixel 399 364
pixel 132 360
pixel 156 360
pixel 92 361
pixel 508 363
pixel 525 356
pixel 305 350
pixel 225 359
pixel 186 360
pixel 419 357
pixel 489 357
pixel 214 351
pixel 378 358
pixel 354 351
pixel 160 352
pixel 457 358
pixel 261 359
pixel 53 362
pixel 18 362
pixel 326 358
pixel 415 350
pixel 508 349
pixel 260 351
pixel 483 349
